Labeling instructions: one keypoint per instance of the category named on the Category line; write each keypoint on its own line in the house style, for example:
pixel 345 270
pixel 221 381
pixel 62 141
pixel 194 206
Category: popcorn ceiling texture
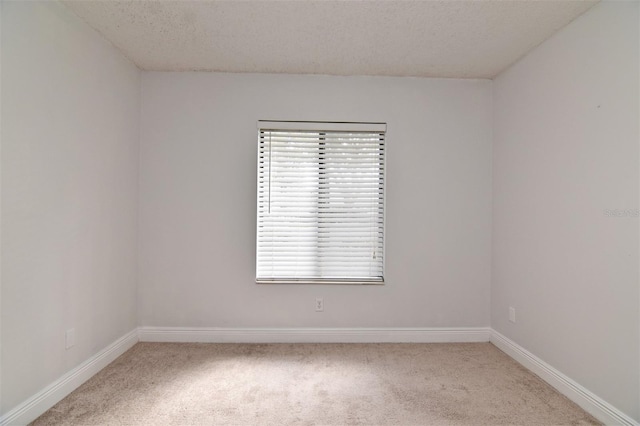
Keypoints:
pixel 459 39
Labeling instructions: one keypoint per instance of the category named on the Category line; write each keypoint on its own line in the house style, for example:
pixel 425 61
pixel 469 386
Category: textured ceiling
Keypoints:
pixel 461 39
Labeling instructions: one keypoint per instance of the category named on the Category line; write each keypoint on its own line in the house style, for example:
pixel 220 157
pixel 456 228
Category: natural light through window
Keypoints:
pixel 320 202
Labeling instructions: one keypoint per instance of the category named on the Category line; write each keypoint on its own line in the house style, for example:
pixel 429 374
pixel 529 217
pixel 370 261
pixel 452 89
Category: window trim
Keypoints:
pixel 329 126
pixel 319 126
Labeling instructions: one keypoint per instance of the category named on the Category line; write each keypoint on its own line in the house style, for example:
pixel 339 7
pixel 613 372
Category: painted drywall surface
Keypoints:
pixel 1 3
pixel 70 114
pixel 565 188
pixel 198 200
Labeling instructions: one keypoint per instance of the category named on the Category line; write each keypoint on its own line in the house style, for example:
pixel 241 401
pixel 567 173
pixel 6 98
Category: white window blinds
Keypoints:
pixel 320 202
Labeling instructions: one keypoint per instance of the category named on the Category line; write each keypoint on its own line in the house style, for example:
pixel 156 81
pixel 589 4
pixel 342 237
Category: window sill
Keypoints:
pixel 316 282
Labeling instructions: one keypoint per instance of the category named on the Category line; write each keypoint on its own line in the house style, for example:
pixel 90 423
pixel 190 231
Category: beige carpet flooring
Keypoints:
pixel 315 384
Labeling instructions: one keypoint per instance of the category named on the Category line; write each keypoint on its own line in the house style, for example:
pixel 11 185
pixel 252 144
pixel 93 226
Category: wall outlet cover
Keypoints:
pixel 70 338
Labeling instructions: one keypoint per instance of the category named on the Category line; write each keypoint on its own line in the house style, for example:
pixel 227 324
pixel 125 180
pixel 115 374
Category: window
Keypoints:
pixel 320 202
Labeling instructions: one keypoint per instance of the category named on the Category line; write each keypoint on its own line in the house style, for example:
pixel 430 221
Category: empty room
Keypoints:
pixel 320 212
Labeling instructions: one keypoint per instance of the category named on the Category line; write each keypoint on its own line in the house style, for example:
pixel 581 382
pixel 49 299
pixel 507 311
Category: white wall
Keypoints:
pixel 1 410
pixel 198 200
pixel 70 115
pixel 565 150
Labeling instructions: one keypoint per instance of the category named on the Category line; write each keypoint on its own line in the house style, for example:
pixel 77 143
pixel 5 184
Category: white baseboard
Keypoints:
pixel 49 396
pixel 35 406
pixel 313 335
pixel 586 399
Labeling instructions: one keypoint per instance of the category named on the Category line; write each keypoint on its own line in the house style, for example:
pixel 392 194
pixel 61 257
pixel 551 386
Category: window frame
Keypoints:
pixel 323 126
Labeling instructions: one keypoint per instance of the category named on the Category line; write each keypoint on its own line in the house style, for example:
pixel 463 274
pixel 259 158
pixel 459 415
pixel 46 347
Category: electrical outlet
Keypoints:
pixel 70 338
pixel 512 314
pixel 319 304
